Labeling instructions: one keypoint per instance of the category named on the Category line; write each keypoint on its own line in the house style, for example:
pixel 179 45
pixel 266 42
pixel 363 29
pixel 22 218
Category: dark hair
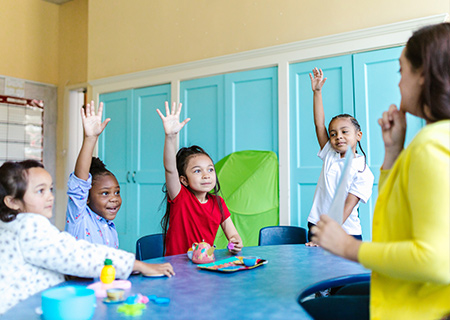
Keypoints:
pixel 428 49
pixel 357 127
pixel 14 183
pixel 98 168
pixel 182 159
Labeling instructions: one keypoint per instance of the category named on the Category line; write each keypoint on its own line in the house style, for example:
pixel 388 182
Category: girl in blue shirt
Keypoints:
pixel 94 193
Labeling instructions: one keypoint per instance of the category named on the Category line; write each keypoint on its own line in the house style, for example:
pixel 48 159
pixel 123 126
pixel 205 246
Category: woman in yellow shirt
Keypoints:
pixel 410 252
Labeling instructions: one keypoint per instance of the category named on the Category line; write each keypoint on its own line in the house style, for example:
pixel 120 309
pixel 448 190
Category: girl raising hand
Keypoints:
pixel 193 214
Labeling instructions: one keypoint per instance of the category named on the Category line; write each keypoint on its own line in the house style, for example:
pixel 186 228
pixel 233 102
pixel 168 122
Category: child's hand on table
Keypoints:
pixel 235 245
pixel 154 269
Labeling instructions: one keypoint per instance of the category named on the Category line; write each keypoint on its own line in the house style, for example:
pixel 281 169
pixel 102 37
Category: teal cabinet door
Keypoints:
pixel 305 166
pixel 232 112
pixel 376 80
pixel 114 150
pixel 147 158
pixel 251 113
pixel 203 102
pixel 132 148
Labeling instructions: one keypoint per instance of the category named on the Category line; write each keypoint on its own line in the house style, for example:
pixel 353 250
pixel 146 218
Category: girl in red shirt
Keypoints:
pixel 193 214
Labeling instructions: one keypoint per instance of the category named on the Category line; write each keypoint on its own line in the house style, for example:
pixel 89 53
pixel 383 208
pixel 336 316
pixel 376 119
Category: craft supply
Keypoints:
pixel 100 288
pixel 68 302
pixel 115 294
pixel 231 264
pixel 249 261
pixel 108 273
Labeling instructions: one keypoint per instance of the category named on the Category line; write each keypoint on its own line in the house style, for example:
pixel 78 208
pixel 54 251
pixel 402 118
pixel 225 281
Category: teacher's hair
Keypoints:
pixel 14 183
pixel 428 49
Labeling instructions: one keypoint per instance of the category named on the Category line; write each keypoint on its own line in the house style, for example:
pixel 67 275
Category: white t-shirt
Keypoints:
pixel 35 255
pixel 360 185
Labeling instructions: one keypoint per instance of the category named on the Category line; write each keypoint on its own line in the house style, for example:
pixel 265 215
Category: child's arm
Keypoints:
pixel 232 235
pixel 154 269
pixel 172 126
pixel 93 127
pixel 317 81
pixel 350 203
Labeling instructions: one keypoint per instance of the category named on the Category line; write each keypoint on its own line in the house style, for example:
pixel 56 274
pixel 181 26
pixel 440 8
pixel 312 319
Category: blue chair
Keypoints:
pixel 351 301
pixel 149 247
pixel 282 235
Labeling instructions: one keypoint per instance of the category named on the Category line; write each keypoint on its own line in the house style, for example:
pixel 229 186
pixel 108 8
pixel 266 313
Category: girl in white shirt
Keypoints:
pixel 343 131
pixel 34 254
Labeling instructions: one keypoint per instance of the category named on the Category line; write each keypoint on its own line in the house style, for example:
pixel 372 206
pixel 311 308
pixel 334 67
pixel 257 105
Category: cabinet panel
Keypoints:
pixel 251 110
pixel 114 144
pixel 337 98
pixel 147 158
pixel 203 102
pixel 376 80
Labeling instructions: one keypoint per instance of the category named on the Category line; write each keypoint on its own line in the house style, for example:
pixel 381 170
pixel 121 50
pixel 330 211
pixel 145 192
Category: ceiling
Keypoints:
pixel 58 1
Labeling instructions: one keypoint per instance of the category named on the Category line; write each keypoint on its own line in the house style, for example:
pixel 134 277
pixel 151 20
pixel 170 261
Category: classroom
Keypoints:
pixel 240 69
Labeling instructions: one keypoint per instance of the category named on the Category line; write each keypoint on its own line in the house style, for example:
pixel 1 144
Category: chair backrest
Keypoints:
pixel 282 235
pixel 149 247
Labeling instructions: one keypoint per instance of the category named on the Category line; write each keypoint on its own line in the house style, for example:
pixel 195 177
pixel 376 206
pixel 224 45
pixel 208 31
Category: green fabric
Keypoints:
pixel 249 186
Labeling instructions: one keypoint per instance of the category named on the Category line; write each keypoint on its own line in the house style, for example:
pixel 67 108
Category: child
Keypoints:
pixel 344 131
pixel 193 214
pixel 94 193
pixel 34 254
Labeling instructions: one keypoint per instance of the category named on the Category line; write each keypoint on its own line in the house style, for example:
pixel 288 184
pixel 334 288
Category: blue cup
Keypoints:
pixel 68 303
pixel 249 261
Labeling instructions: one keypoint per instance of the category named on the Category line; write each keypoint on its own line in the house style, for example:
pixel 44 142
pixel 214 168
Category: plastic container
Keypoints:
pixel 68 303
pixel 108 274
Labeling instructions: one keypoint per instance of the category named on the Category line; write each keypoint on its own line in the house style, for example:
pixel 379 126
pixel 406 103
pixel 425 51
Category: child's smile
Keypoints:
pixel 200 175
pixel 104 197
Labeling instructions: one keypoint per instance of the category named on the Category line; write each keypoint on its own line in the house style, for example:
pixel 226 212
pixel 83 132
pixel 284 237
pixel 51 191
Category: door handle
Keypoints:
pixel 132 177
pixel 128 176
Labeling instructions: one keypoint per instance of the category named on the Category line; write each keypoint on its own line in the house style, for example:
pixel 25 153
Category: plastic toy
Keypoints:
pixel 202 252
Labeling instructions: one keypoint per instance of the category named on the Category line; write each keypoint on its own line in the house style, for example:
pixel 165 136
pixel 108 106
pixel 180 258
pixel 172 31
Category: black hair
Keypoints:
pixel 182 158
pixel 98 168
pixel 358 129
pixel 428 50
pixel 14 183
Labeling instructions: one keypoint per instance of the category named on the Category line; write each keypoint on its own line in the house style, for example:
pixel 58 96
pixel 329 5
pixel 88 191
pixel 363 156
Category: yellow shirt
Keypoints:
pixel 410 252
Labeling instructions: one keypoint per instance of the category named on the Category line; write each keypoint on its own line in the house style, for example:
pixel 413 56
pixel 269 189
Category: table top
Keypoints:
pixel 270 291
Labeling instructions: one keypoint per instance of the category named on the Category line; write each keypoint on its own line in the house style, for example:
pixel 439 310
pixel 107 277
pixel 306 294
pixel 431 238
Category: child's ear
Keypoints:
pixel 12 203
pixel 359 135
pixel 184 181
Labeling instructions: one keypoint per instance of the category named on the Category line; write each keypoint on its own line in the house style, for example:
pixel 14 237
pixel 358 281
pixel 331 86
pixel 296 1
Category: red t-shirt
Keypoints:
pixel 191 221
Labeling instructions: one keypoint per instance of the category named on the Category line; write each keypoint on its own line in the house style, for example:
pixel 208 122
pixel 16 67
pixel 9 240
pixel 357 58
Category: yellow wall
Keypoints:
pixel 29 40
pixel 128 36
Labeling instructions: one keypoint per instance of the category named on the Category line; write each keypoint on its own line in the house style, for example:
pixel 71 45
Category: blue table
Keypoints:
pixel 266 292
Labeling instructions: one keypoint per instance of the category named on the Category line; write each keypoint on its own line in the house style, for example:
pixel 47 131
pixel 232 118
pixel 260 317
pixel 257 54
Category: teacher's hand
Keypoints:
pixel 329 234
pixel 393 129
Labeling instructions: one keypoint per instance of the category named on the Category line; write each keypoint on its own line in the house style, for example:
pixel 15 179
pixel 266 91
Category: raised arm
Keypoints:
pixel 393 129
pixel 172 126
pixel 317 81
pixel 93 127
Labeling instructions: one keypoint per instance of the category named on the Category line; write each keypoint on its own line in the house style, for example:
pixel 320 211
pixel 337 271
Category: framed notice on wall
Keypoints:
pixel 21 129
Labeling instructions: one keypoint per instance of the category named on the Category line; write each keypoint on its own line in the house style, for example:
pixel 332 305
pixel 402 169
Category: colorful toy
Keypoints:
pixel 108 274
pixel 230 246
pixel 202 252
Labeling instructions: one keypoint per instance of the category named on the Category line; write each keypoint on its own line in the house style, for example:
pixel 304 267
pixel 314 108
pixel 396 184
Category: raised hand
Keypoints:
pixel 317 79
pixel 92 123
pixel 393 129
pixel 171 121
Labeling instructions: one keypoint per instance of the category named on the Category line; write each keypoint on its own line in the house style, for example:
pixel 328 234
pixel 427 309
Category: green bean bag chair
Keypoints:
pixel 249 186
